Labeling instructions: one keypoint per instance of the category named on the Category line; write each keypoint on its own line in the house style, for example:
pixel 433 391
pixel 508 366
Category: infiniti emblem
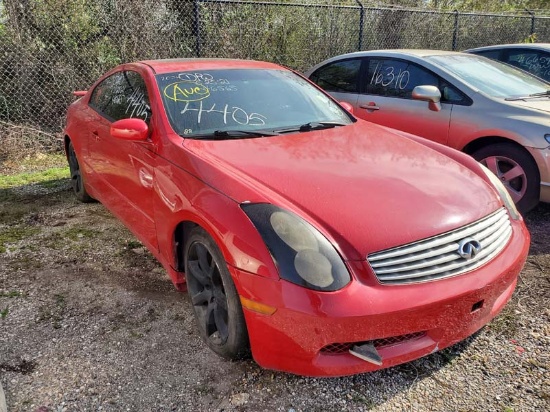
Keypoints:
pixel 468 248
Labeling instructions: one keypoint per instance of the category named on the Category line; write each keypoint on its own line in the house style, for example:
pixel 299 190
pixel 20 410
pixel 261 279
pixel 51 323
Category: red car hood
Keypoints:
pixel 364 187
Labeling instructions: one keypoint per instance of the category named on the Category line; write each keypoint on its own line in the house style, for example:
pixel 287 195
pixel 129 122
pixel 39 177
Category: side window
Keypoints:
pixel 103 94
pixel 122 95
pixel 341 76
pixel 396 78
pixel 532 61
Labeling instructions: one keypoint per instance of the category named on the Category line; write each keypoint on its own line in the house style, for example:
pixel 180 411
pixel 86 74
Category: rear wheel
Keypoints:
pixel 77 181
pixel 215 301
pixel 516 169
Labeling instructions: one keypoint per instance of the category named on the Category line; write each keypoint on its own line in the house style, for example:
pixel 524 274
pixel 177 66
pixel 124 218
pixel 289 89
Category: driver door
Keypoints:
pixel 125 169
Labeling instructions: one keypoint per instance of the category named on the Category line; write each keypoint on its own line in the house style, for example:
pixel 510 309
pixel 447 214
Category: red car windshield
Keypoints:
pixel 199 103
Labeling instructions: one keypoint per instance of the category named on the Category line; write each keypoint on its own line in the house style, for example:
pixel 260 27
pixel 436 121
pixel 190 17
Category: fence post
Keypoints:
pixel 455 32
pixel 197 27
pixel 361 25
pixel 532 21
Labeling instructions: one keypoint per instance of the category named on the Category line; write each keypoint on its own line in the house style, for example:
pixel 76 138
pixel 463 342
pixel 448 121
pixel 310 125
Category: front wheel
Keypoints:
pixel 516 169
pixel 215 301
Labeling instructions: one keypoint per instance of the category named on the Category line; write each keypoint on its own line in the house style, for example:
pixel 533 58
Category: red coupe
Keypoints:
pixel 321 244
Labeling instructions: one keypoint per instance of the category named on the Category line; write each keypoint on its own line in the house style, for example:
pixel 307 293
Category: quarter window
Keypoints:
pixel 341 76
pixel 122 95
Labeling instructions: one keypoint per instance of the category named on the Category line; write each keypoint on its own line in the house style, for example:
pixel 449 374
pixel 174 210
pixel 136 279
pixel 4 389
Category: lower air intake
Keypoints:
pixel 339 348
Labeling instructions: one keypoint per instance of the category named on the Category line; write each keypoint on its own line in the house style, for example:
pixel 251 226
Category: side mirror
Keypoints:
pixel 429 94
pixel 130 129
pixel 347 106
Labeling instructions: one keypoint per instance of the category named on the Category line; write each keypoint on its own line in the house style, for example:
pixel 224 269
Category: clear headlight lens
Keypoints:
pixel 294 233
pixel 503 193
pixel 302 254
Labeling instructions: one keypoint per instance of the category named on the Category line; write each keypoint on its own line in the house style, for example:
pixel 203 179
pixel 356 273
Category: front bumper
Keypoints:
pixel 424 317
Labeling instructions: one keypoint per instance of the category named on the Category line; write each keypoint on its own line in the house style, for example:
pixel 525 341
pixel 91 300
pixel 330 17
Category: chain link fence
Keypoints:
pixel 50 48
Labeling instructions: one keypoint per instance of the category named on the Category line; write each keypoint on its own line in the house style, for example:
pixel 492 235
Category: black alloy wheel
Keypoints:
pixel 77 182
pixel 215 301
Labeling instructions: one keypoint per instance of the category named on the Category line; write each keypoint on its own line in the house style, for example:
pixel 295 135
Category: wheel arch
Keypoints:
pixel 482 142
pixel 239 243
pixel 66 141
pixel 180 236
pixel 530 192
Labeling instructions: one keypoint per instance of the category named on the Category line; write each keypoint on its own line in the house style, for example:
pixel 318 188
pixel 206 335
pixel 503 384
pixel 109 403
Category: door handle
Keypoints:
pixel 369 106
pixel 95 133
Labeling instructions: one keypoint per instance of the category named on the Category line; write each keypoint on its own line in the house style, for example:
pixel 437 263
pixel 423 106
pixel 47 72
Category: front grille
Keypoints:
pixel 438 257
pixel 380 343
pixel 338 348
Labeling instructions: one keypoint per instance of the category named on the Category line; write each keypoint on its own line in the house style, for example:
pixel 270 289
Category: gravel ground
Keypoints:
pixel 89 321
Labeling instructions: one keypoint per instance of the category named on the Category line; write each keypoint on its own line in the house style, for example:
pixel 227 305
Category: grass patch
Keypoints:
pixel 54 241
pixel 26 262
pixel 12 212
pixel 4 313
pixel 11 294
pixel 53 313
pixel 32 162
pixel 133 244
pixel 77 233
pixel 15 234
pixel 54 184
pixel 506 323
pixel 41 177
pixel 61 239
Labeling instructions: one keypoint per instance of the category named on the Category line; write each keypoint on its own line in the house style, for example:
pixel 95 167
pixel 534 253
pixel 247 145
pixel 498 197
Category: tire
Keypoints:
pixel 516 169
pixel 77 180
pixel 215 301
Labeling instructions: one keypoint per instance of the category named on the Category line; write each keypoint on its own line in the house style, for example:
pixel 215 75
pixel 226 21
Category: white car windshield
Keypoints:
pixel 245 102
pixel 491 77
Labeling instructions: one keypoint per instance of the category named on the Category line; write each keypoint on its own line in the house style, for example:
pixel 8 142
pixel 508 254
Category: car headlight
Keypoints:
pixel 503 193
pixel 302 254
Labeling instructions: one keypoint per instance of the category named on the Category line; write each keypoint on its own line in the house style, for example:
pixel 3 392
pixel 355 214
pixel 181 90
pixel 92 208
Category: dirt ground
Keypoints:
pixel 89 321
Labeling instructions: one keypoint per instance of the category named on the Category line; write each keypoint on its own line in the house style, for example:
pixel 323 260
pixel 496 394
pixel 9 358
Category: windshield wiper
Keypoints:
pixel 311 126
pixel 530 96
pixel 232 134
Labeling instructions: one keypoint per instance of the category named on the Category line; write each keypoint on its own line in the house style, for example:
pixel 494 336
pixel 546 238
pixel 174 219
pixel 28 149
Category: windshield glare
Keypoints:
pixel 491 77
pixel 199 103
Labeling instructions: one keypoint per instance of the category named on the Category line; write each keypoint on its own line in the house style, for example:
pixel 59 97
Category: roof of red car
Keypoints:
pixel 172 65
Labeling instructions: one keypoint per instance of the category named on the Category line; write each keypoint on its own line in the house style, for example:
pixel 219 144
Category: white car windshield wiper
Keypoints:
pixel 311 126
pixel 530 96
pixel 232 134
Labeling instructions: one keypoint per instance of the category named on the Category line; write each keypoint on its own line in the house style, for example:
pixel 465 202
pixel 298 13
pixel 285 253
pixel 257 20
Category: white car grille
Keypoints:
pixel 440 256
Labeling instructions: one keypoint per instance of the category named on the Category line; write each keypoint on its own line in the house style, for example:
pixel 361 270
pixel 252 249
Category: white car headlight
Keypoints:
pixel 503 193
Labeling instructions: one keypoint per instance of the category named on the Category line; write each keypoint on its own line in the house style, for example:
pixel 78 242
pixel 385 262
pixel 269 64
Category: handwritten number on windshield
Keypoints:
pixel 229 114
